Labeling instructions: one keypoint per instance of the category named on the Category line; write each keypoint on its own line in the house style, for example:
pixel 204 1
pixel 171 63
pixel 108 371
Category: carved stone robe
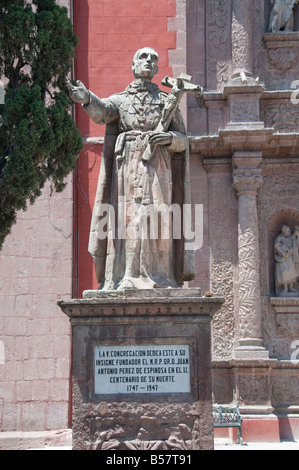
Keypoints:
pixel 285 268
pixel 131 255
pixel 282 15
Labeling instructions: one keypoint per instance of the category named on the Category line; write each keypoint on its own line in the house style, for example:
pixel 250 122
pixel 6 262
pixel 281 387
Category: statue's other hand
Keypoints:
pixel 78 93
pixel 161 138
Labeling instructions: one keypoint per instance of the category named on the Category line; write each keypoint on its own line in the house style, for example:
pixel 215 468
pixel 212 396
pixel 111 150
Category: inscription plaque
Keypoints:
pixel 141 369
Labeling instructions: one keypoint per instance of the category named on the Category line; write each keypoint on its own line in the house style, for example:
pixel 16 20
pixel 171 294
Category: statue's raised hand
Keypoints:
pixel 79 92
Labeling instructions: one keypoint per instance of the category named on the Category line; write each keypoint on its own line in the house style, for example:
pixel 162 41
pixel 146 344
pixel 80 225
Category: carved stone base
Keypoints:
pixel 267 392
pixel 142 370
pixel 250 348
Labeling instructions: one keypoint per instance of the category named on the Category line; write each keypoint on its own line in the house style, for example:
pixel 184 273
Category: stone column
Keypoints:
pixel 247 180
pixel 242 60
pixel 243 92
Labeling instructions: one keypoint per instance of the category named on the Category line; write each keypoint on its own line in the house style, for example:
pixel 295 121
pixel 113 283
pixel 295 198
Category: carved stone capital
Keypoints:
pixel 247 181
pixel 247 175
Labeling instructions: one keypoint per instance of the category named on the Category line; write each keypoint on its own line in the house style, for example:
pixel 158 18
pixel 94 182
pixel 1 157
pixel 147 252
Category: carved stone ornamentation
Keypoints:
pixel 175 436
pixel 285 390
pixel 224 255
pixel 242 60
pixel 288 325
pixel 247 180
pixel 283 50
pixel 244 111
pixel 218 43
pixel 254 389
pixel 283 58
pixel 283 116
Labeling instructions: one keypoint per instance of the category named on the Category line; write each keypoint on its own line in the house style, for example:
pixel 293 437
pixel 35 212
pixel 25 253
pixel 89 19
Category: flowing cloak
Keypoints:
pixel 124 125
pixel 281 15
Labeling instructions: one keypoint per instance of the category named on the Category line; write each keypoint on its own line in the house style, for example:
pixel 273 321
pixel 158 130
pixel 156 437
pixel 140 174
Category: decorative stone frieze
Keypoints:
pixel 283 49
pixel 287 316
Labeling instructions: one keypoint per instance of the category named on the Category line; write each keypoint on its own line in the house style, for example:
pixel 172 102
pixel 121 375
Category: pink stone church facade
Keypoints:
pixel 244 149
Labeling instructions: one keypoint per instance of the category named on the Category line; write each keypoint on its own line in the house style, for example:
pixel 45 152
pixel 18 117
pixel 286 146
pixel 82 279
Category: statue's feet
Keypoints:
pixel 285 289
pixel 137 283
pixel 126 284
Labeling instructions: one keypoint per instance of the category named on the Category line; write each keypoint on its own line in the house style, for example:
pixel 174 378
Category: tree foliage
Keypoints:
pixel 39 140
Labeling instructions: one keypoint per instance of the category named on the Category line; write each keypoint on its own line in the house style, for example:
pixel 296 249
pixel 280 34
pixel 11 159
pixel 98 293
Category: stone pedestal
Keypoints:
pixel 142 369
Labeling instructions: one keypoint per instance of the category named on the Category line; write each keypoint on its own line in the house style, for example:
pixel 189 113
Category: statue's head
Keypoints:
pixel 145 63
pixel 286 231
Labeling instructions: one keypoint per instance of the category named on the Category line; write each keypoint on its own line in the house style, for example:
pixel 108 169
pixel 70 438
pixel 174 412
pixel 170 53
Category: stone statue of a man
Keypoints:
pixel 134 254
pixel 282 17
pixel 286 257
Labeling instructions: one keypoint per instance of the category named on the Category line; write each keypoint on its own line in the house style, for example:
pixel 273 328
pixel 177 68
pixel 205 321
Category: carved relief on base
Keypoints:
pixel 285 390
pixel 253 389
pixel 143 427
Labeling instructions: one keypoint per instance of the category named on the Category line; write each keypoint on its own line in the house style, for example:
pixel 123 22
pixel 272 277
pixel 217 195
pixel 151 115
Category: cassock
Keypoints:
pixel 139 204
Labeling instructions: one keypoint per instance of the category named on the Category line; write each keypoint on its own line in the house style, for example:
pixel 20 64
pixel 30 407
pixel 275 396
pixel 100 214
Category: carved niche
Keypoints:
pixel 278 203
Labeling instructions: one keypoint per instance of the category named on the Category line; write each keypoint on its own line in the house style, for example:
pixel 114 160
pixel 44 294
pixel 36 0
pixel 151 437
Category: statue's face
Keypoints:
pixel 286 231
pixel 145 63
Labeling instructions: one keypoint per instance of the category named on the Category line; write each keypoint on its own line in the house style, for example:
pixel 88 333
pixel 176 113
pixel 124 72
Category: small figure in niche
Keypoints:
pixel 286 257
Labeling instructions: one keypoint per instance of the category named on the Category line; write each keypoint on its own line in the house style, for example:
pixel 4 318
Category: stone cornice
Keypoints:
pixel 254 363
pixel 222 146
pixel 269 142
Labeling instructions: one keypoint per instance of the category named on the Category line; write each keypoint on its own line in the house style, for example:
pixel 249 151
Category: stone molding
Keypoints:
pixel 118 306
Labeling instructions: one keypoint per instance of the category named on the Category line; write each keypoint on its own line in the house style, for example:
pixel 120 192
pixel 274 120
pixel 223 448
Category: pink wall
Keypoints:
pixel 36 271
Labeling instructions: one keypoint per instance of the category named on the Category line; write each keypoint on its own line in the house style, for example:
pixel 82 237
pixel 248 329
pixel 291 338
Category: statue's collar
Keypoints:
pixel 139 85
